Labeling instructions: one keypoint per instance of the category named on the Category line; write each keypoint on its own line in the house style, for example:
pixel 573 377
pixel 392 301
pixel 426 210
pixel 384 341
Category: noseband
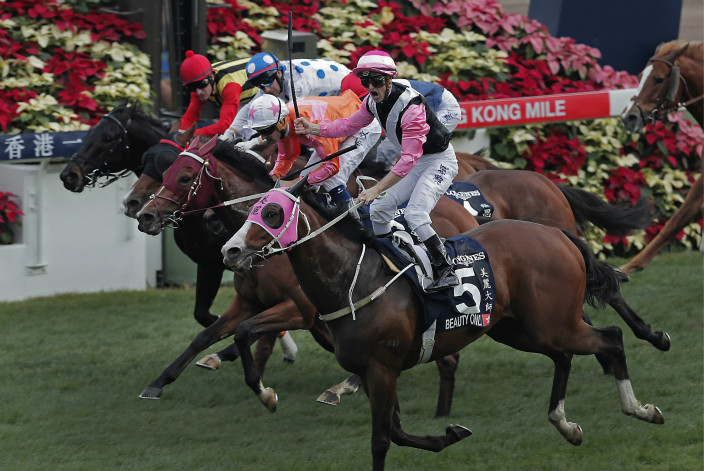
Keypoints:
pixel 661 109
pixel 199 191
pixel 102 169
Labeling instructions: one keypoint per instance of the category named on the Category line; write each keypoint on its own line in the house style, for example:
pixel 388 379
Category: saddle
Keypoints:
pixel 469 304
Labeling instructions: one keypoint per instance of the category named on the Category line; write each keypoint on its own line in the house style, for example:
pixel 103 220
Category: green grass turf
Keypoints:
pixel 73 366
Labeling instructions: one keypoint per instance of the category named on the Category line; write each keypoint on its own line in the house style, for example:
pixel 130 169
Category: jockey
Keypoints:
pixel 224 83
pixel 273 119
pixel 312 77
pixel 427 164
pixel 441 101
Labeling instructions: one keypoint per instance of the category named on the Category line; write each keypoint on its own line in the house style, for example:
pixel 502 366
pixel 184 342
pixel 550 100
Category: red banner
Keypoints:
pixel 541 109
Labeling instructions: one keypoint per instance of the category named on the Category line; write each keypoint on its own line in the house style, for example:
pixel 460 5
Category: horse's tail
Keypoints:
pixel 614 219
pixel 602 279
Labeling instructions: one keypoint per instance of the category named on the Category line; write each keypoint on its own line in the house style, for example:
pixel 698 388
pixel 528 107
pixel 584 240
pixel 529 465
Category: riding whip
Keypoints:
pixel 331 156
pixel 290 60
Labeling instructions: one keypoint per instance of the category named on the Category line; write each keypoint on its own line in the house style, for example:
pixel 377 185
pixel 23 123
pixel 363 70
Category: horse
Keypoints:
pixel 542 274
pixel 672 78
pixel 268 299
pixel 113 147
pixel 192 175
pixel 116 146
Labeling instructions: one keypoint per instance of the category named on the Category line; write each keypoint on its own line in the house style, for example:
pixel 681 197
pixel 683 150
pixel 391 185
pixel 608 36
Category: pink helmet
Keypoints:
pixel 375 62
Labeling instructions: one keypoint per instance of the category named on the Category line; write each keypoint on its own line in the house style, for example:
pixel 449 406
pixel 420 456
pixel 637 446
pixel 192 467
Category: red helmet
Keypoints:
pixel 194 68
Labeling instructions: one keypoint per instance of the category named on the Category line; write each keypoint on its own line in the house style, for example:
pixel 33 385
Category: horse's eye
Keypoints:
pixel 184 180
pixel 659 80
pixel 108 138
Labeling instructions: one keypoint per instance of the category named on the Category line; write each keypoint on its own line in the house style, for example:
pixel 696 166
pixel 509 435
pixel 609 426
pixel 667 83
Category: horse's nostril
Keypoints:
pixel 233 252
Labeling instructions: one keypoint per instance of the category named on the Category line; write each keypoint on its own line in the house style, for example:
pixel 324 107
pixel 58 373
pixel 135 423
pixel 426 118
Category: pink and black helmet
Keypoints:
pixel 375 63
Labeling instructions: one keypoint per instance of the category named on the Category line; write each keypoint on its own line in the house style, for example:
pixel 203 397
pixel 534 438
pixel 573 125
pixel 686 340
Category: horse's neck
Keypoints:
pixel 141 135
pixel 694 78
pixel 236 185
pixel 325 266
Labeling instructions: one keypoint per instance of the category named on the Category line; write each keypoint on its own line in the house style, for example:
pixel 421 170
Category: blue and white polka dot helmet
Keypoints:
pixel 262 63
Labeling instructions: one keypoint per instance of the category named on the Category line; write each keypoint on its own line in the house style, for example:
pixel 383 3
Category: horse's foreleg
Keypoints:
pixel 642 330
pixel 447 367
pixel 332 395
pixel 556 414
pixel 224 327
pixel 208 280
pixel 690 209
pixel 283 316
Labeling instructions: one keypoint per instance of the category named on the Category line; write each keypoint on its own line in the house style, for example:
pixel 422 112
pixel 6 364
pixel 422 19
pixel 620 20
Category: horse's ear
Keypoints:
pixel 186 136
pixel 209 146
pixel 175 127
pixel 193 145
pixel 680 51
pixel 297 189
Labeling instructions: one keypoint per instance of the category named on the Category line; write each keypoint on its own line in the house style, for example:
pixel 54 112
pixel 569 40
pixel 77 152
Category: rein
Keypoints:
pixel 672 87
pixel 269 250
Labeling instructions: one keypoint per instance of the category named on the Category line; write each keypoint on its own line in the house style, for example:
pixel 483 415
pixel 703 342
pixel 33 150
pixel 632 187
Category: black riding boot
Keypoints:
pixel 445 276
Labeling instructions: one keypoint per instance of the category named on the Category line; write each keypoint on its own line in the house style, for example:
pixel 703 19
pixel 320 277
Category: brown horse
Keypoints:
pixel 542 276
pixel 549 206
pixel 672 78
pixel 269 298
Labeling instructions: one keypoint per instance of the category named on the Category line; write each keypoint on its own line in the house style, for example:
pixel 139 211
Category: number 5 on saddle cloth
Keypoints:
pixel 468 304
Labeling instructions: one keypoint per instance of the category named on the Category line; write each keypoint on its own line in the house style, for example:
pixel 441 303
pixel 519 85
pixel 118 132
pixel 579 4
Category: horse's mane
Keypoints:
pixel 227 153
pixel 695 49
pixel 348 227
pixel 137 112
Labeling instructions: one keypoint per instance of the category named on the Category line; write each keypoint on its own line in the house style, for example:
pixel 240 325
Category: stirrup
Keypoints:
pixel 445 279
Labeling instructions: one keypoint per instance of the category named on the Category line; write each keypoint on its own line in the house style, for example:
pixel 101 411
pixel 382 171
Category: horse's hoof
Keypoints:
pixel 664 343
pixel 150 392
pixel 655 414
pixel 622 275
pixel 575 438
pixel 211 362
pixel 329 397
pixel 269 398
pixel 459 431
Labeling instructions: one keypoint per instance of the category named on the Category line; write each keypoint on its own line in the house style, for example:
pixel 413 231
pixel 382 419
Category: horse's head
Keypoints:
pixel 156 161
pixel 188 183
pixel 272 227
pixel 104 151
pixel 659 90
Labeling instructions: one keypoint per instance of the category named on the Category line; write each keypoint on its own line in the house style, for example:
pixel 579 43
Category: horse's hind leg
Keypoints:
pixel 604 360
pixel 642 330
pixel 609 340
pixel 613 340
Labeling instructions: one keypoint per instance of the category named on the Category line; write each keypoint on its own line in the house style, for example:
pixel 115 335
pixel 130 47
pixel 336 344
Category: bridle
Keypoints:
pixel 662 109
pixel 198 193
pixel 103 169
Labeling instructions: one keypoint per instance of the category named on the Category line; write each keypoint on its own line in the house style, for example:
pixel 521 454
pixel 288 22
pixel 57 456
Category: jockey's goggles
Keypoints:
pixel 265 79
pixel 200 84
pixel 277 126
pixel 375 80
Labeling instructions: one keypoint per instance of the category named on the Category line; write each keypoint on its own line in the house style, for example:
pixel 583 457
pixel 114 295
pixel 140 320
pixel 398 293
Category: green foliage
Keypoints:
pixel 74 365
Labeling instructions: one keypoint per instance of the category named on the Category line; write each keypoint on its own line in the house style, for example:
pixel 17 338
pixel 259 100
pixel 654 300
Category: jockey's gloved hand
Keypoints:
pixel 246 145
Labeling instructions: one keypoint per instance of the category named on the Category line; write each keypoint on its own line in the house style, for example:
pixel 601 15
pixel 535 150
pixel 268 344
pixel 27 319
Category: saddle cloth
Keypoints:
pixel 463 193
pixel 468 304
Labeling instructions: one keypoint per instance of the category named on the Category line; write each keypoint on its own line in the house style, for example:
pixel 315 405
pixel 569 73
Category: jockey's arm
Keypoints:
pixel 228 111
